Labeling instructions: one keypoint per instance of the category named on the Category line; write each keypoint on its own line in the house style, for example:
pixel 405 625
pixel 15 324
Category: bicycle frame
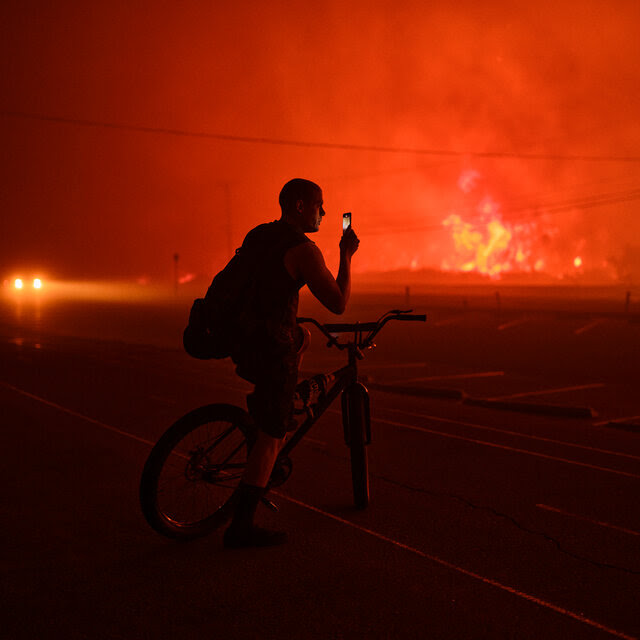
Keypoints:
pixel 344 378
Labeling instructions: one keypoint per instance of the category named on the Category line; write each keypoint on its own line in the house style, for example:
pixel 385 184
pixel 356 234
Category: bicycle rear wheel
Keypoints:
pixel 193 470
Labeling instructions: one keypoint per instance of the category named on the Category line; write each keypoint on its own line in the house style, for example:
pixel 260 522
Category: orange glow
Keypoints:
pixel 18 284
pixel 577 263
pixel 37 283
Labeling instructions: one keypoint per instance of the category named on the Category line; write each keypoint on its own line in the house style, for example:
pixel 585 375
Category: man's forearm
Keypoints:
pixel 344 278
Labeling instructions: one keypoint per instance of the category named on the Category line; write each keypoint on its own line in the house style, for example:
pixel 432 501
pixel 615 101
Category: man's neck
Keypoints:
pixel 293 222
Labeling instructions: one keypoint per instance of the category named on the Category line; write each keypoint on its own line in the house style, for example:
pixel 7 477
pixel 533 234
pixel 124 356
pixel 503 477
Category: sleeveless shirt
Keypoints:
pixel 277 294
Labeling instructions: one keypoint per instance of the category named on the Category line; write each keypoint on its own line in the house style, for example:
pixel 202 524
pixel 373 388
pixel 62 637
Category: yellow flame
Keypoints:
pixel 480 248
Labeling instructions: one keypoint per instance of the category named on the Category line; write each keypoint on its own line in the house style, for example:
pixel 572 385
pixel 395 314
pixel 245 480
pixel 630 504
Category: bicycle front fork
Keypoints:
pixel 356 413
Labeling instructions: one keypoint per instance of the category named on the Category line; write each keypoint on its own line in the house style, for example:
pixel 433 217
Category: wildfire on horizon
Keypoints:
pixel 484 241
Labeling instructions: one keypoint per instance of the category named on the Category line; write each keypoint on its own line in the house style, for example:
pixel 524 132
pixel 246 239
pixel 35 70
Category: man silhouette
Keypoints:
pixel 271 361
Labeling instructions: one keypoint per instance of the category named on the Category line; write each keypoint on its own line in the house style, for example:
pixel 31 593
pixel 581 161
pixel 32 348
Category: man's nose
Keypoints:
pixel 322 212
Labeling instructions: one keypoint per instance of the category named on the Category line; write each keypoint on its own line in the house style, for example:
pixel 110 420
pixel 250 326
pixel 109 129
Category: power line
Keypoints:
pixel 317 145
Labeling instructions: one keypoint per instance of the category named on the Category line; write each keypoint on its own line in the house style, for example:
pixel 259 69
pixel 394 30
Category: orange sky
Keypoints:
pixel 555 79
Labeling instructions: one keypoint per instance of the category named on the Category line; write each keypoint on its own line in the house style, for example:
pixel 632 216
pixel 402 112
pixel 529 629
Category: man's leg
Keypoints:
pixel 242 532
pixel 261 460
pixel 271 406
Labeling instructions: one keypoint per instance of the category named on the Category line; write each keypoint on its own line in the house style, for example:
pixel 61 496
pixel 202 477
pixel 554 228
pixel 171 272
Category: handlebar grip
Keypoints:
pixel 415 318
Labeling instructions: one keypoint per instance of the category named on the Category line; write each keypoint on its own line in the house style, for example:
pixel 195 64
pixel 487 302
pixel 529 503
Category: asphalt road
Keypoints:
pixel 483 523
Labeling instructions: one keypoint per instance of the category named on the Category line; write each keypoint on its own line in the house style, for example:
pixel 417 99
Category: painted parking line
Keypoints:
pixel 513 323
pixel 466 572
pixel 577 516
pixel 621 420
pixel 495 445
pixel 579 617
pixel 589 326
pixel 543 392
pixel 458 376
pixel 526 436
pixel 389 422
pixel 75 414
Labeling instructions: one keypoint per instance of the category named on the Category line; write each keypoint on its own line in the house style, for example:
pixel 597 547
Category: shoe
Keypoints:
pixel 253 537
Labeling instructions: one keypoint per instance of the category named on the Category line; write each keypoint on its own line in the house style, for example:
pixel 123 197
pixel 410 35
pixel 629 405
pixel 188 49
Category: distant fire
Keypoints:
pixel 486 243
pixel 489 230
pixel 490 247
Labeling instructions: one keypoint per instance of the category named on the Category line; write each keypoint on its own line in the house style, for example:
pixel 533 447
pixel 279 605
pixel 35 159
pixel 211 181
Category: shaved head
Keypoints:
pixel 294 190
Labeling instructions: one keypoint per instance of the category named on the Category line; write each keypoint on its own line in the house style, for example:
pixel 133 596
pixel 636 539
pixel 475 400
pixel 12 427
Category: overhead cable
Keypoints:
pixel 319 145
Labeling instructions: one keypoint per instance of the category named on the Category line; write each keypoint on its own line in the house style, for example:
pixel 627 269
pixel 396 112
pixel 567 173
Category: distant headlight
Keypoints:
pixel 19 283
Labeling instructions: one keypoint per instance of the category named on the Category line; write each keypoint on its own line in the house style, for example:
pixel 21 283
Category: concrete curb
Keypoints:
pixel 457 394
pixel 632 427
pixel 529 407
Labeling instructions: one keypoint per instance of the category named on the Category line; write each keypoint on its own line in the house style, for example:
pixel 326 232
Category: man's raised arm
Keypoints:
pixel 307 262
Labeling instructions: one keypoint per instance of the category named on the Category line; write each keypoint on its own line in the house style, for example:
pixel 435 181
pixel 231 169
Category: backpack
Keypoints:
pixel 227 318
pixel 226 315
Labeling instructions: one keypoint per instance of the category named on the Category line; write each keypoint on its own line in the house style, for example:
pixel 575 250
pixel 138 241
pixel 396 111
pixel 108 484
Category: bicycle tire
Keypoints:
pixel 189 479
pixel 357 448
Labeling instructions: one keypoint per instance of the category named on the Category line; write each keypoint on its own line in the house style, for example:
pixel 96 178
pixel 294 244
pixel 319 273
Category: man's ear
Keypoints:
pixel 299 205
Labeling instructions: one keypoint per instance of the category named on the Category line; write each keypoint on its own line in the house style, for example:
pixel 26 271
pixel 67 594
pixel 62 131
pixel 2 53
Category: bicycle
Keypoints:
pixel 188 482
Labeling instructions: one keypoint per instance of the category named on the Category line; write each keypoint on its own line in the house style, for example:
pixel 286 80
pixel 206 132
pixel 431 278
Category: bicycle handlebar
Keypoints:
pixel 347 327
pixel 359 328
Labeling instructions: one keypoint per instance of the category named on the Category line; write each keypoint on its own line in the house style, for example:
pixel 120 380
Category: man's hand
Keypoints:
pixel 349 243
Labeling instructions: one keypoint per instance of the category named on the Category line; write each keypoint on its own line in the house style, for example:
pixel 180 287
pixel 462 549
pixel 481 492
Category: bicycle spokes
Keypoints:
pixel 202 472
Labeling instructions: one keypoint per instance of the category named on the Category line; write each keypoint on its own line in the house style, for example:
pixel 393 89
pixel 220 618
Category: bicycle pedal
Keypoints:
pixel 270 505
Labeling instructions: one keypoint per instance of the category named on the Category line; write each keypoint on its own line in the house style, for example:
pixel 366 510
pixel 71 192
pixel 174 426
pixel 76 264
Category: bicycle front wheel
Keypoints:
pixel 193 470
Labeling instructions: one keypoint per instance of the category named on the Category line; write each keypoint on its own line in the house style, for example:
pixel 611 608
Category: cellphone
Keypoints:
pixel 346 221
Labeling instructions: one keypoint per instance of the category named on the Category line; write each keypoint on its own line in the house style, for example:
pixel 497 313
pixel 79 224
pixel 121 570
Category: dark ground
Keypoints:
pixel 483 523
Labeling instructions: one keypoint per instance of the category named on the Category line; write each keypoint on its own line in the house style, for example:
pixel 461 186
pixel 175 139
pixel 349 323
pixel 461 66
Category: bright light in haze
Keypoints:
pixel 37 283
pixel 577 262
pixel 17 283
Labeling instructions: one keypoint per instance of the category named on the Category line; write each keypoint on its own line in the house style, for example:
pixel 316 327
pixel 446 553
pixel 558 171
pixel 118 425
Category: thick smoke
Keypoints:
pixel 557 80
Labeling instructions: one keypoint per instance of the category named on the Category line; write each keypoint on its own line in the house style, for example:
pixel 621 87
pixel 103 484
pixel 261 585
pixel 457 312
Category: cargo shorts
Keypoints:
pixel 274 372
